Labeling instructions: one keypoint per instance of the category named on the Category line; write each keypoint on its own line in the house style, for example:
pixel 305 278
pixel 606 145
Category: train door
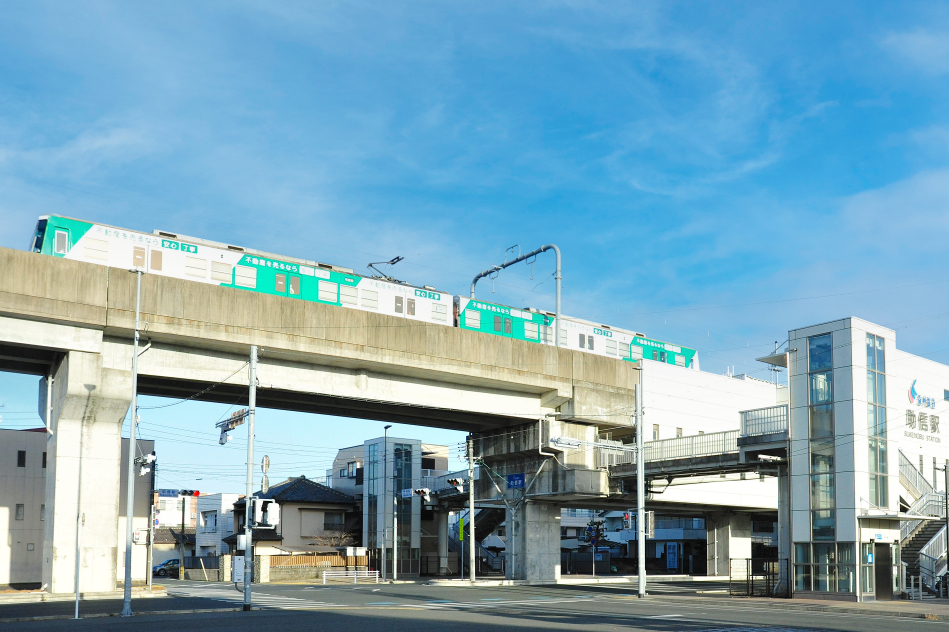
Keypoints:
pixel 293 286
pixel 155 259
pixel 503 326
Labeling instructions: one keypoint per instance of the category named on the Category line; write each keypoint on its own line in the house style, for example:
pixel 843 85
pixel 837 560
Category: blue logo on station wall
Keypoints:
pixel 919 400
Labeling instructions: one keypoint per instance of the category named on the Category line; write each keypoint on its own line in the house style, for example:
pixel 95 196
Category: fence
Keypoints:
pixel 763 421
pixel 758 578
pixel 209 562
pixel 315 560
pixel 354 575
pixel 712 444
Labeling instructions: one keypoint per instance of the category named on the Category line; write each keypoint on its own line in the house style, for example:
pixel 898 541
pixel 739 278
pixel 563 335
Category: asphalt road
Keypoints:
pixel 422 608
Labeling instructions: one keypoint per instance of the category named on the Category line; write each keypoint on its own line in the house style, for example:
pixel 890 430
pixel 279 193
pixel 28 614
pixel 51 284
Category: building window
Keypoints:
pixel 351 469
pixel 342 472
pixel 21 458
pixel 42 513
pixel 876 421
pixel 655 432
pixel 679 433
pixel 825 567
pixel 332 521
pixel 19 512
pixel 821 438
pixel 44 460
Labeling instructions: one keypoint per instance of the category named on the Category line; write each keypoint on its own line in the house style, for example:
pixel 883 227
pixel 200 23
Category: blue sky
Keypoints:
pixel 715 173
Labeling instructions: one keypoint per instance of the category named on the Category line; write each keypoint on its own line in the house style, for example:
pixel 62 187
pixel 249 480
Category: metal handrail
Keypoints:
pixel 715 443
pixel 913 476
pixel 356 575
pixel 763 421
pixel 932 504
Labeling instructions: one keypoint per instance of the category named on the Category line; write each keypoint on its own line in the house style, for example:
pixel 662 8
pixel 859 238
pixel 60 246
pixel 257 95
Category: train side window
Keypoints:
pixel 583 341
pixel 680 360
pixel 347 294
pixel 156 260
pixel 410 307
pixel 95 249
pixel 370 299
pixel 281 285
pixel 61 244
pixel 635 352
pixel 196 267
pixel 398 304
pixel 563 338
pixel 439 312
pixel 507 325
pixel 138 257
pixel 245 276
pixel 328 291
pixel 294 285
pixel 221 271
pixel 531 331
pixel 472 319
pixel 497 323
pixel 611 348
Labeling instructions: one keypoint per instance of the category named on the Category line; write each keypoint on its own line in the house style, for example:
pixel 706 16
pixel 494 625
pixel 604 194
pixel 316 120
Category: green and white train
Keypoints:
pixel 193 259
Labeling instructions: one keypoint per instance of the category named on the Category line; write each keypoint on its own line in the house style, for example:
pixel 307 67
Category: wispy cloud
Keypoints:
pixel 926 49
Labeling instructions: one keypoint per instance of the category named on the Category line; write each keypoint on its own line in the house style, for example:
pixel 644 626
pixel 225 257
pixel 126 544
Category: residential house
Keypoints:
pixel 215 522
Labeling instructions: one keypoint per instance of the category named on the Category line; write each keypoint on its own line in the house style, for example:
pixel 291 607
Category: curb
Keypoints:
pixel 104 615
pixel 929 616
pixel 44 597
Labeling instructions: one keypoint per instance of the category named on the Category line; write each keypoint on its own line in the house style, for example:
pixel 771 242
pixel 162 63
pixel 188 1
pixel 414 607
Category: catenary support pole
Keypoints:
pixel 471 511
pixel 532 253
pixel 395 520
pixel 640 490
pixel 248 505
pixel 130 474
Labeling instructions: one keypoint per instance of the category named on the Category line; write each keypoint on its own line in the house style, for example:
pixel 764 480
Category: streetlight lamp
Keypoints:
pixel 385 480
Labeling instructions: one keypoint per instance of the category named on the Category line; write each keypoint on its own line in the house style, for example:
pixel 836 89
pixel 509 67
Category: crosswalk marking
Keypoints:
pixel 261 600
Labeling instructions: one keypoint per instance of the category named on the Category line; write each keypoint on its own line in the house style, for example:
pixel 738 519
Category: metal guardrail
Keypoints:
pixel 712 444
pixel 912 476
pixel 355 575
pixel 763 421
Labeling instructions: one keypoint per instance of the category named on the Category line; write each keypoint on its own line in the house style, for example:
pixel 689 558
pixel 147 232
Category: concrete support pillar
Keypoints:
pixel 83 462
pixel 534 534
pixel 729 537
pixel 442 527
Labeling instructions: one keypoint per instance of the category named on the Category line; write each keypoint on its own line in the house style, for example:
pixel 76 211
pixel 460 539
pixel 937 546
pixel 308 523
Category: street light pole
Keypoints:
pixel 395 520
pixel 471 510
pixel 385 484
pixel 130 475
pixel 248 504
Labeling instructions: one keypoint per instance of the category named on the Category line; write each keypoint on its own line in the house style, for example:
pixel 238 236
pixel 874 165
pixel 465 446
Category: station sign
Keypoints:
pixel 515 481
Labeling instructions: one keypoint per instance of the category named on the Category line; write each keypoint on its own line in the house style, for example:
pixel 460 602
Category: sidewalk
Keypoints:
pixel 930 609
pixel 37 596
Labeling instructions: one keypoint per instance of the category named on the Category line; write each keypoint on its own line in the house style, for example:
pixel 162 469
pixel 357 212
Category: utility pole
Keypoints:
pixel 471 510
pixel 640 490
pixel 151 539
pixel 130 475
pixel 181 547
pixel 248 504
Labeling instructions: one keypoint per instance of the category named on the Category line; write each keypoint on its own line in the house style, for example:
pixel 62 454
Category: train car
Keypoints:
pixel 203 261
pixel 532 325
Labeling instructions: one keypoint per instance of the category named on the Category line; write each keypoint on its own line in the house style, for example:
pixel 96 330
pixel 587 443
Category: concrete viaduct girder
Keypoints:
pixel 75 320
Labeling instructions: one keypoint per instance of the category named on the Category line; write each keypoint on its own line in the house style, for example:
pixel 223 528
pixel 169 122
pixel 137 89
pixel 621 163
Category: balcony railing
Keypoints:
pixel 764 421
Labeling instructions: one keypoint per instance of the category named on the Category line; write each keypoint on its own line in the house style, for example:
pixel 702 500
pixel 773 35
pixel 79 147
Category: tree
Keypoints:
pixel 347 535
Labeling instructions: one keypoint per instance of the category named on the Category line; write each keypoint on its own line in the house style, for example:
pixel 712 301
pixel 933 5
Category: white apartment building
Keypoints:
pixel 215 522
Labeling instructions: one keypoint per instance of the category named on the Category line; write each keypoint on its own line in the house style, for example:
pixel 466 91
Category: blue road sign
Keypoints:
pixel 168 493
pixel 515 481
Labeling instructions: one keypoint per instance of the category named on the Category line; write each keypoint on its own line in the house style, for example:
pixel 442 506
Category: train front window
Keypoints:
pixel 62 242
pixel 39 235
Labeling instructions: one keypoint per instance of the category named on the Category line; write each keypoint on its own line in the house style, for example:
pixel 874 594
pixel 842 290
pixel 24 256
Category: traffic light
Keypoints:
pixel 189 492
pixel 457 483
pixel 425 493
pixel 628 520
pixel 144 462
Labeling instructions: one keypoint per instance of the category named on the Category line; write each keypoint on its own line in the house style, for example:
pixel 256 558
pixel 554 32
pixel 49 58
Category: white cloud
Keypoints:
pixel 926 49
